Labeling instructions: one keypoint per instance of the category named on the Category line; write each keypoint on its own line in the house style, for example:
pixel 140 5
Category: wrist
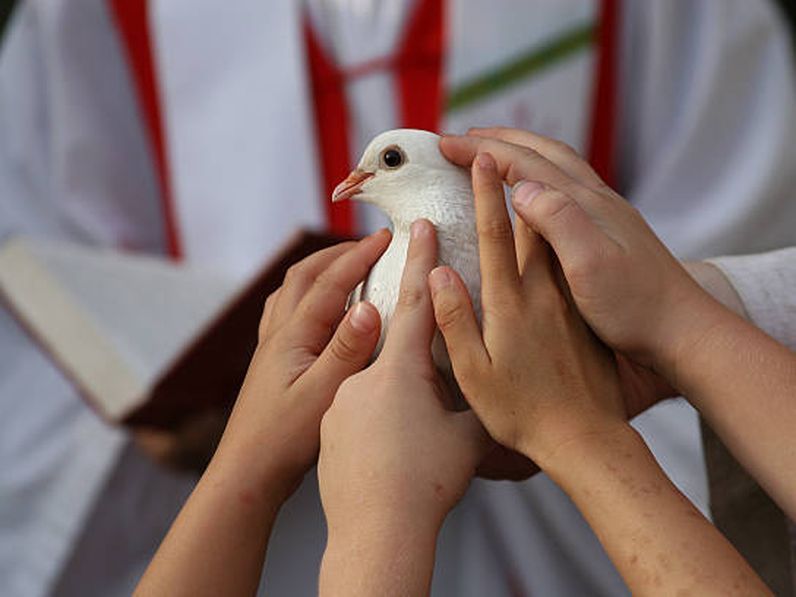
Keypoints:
pixel 371 518
pixel 691 362
pixel 689 336
pixel 383 529
pixel 265 481
pixel 392 556
pixel 587 447
pixel 686 314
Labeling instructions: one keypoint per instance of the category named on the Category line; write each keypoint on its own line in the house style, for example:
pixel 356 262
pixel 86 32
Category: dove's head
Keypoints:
pixel 403 172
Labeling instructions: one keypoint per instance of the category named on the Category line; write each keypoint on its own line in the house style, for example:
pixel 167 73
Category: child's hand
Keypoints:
pixel 536 376
pixel 634 294
pixel 218 542
pixel 300 361
pixel 392 457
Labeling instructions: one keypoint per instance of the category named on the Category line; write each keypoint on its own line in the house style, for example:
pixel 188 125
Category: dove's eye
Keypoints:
pixel 392 158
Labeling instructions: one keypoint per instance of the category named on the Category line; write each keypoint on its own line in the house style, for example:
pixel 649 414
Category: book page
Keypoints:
pixel 145 310
pixel 150 309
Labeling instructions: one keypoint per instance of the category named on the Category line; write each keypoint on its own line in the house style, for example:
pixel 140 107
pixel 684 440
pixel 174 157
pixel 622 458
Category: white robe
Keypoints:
pixel 766 285
pixel 708 113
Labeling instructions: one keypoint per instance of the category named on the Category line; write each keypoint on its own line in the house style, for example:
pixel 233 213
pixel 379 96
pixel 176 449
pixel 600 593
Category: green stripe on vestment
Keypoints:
pixel 530 63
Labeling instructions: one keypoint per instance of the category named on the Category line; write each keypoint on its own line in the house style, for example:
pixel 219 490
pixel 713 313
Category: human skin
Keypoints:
pixel 393 460
pixel 543 385
pixel 640 301
pixel 192 446
pixel 217 544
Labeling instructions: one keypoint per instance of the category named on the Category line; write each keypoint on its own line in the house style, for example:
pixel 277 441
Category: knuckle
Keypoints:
pixel 345 348
pixel 528 152
pixel 531 154
pixel 269 301
pixel 296 274
pixel 503 305
pixel 265 316
pixel 525 160
pixel 600 195
pixel 410 296
pixel 497 230
pixel 551 204
pixel 328 283
pixel 268 306
pixel 449 313
pixel 579 267
pixel 583 265
pixel 565 149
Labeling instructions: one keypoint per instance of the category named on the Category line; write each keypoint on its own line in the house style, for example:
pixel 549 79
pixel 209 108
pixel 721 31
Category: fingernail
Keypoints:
pixel 485 161
pixel 420 228
pixel 439 278
pixel 362 318
pixel 524 191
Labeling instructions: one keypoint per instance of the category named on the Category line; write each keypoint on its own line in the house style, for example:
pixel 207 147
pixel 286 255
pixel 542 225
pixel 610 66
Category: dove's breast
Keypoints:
pixel 381 288
pixel 384 281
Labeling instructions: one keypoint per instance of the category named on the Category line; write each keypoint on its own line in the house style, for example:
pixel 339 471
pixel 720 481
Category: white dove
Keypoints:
pixel 404 174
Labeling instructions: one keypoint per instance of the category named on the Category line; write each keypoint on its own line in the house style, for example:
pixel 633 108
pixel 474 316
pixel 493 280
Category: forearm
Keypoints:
pixel 218 542
pixel 658 541
pixel 387 557
pixel 744 384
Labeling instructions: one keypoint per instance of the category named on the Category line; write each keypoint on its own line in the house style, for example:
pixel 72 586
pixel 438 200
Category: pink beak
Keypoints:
pixel 351 185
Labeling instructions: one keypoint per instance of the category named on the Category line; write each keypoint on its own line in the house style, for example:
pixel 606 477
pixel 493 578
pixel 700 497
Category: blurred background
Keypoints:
pixel 206 134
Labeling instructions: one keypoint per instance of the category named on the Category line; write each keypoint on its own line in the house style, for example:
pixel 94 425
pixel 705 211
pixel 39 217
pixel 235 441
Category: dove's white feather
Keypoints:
pixel 427 186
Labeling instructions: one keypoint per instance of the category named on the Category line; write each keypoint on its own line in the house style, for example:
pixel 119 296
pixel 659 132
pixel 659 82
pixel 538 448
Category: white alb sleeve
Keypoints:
pixel 766 284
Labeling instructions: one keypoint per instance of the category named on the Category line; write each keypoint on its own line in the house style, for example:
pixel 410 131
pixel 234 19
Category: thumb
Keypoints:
pixel 348 351
pixel 563 223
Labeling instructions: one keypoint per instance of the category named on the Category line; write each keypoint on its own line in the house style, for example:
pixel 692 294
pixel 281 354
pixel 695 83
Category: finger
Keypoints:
pixel 539 275
pixel 533 251
pixel 495 234
pixel 453 312
pixel 348 351
pixel 265 320
pixel 536 259
pixel 558 152
pixel 514 162
pixel 517 163
pixel 301 276
pixel 572 233
pixel 526 243
pixel 561 282
pixel 320 309
pixel 412 324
